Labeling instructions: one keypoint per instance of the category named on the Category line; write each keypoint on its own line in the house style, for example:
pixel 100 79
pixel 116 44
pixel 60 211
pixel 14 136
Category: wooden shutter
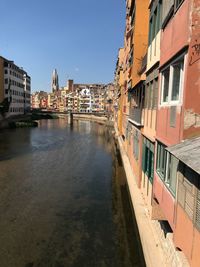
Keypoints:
pixel 198 210
pixel 189 204
pixel 181 194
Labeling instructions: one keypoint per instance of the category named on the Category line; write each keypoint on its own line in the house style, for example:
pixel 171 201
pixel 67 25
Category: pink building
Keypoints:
pixel 178 119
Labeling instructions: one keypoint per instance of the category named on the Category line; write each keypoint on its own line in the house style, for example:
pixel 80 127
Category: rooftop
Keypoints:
pixel 188 152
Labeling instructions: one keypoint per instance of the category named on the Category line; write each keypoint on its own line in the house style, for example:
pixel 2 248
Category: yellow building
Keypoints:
pixel 119 85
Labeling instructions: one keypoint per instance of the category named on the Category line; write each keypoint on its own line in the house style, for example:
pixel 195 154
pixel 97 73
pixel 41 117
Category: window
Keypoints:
pixel 161 160
pixel 155 22
pixel 151 89
pixel 150 30
pixel 167 167
pixel 177 72
pixel 158 18
pixel 171 173
pixel 155 94
pixel 177 3
pixel 148 159
pixel 151 94
pixel 136 145
pixel 165 78
pixel 154 25
pixel 172 81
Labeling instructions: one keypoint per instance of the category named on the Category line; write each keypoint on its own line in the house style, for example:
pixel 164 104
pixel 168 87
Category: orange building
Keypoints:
pixel 176 181
pixel 137 42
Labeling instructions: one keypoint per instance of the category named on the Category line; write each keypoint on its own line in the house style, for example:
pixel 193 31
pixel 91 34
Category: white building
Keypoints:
pixel 85 100
pixel 15 87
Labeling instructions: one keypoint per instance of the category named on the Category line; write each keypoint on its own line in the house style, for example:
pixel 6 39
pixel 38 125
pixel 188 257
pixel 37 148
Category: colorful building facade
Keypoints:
pixel 158 116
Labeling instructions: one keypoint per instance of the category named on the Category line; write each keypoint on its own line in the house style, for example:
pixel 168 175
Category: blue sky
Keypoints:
pixel 78 37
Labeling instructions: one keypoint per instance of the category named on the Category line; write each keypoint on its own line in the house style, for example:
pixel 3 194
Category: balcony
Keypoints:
pixel 135 116
pixel 143 65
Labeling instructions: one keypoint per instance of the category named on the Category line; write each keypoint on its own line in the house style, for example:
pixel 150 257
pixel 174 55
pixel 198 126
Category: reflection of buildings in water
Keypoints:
pixel 102 133
pixel 14 144
pixel 83 126
pixel 62 122
pixel 123 214
pixel 106 139
pixel 53 123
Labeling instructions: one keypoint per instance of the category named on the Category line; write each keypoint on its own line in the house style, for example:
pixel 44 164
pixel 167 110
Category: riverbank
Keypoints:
pixel 153 253
pixel 27 120
pixel 157 249
pixel 95 118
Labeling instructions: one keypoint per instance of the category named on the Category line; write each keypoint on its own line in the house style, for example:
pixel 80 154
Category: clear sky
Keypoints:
pixel 80 38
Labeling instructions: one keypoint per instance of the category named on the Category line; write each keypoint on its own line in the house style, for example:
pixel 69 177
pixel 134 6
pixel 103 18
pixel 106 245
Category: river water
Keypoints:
pixel 63 198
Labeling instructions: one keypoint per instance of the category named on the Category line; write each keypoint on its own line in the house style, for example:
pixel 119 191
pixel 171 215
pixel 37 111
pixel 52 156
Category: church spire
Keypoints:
pixel 54 83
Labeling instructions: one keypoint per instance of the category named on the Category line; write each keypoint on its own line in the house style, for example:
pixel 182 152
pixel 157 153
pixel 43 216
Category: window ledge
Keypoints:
pixel 170 104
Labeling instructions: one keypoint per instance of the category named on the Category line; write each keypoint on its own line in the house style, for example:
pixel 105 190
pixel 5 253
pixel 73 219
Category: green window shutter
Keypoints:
pixel 143 156
pixel 147 162
pixel 152 167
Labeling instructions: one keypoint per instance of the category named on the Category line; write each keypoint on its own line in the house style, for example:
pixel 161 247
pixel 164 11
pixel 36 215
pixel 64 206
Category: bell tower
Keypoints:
pixel 54 82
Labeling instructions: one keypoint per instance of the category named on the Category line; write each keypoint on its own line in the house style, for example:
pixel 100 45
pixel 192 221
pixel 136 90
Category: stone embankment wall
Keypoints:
pixel 101 119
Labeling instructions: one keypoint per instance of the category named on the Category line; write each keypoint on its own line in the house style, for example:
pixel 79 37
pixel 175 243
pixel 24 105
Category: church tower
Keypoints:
pixel 54 83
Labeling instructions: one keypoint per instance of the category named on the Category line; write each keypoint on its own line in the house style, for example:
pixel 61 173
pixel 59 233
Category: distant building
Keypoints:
pixel 109 95
pixel 35 103
pixel 39 100
pixel 84 97
pixel 15 88
pixel 72 97
pixel 55 83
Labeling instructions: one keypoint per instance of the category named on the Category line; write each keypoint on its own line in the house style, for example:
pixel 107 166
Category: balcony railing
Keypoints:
pixel 143 65
pixel 135 115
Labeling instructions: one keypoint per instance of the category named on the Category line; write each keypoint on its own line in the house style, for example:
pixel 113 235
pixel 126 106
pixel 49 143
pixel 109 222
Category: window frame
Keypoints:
pixel 170 66
pixel 167 170
pixel 168 180
pixel 177 5
pixel 159 161
pixel 162 86
pixel 154 22
pixel 148 152
pixel 136 144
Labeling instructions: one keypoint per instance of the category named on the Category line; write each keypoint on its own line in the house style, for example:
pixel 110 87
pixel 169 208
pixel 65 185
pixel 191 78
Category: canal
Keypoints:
pixel 63 198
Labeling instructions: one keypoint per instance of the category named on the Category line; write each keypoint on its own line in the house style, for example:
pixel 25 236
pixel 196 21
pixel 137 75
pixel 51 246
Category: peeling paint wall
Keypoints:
pixel 191 119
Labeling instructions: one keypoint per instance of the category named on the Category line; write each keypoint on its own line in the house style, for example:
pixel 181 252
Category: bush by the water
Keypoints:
pixel 21 124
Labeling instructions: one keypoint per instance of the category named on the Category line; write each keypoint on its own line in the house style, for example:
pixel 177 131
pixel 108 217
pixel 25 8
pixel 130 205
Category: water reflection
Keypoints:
pixel 63 198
